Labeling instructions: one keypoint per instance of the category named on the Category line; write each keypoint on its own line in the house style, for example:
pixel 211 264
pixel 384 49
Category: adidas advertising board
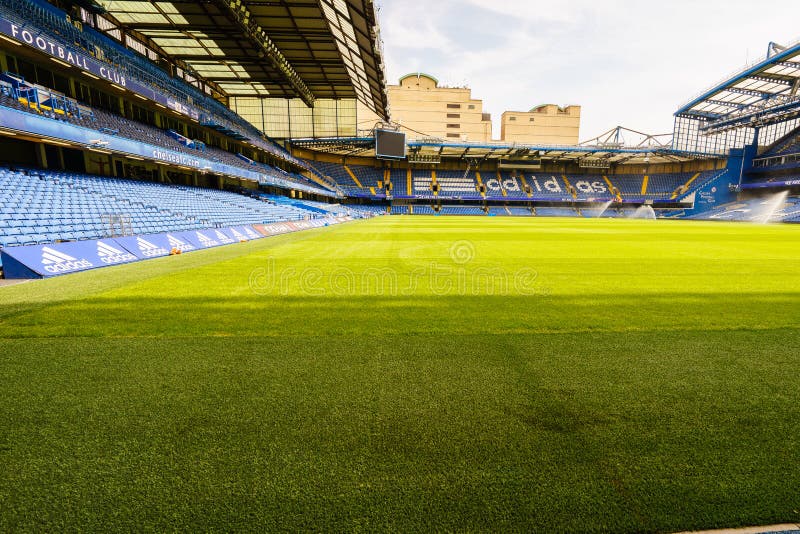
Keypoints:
pixel 206 241
pixel 55 262
pixel 222 238
pixel 145 247
pixel 179 242
pixel 237 235
pixel 149 249
pixel 113 255
pixel 251 234
pixel 44 261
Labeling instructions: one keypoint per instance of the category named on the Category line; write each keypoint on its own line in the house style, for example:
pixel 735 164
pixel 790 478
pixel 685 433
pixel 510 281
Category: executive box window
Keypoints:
pixel 454 115
pixel 454 126
pixel 453 106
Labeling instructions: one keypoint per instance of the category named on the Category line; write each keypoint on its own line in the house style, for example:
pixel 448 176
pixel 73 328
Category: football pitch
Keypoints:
pixel 413 374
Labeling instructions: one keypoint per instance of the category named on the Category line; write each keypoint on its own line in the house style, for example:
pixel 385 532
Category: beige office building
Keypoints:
pixel 425 109
pixel 543 125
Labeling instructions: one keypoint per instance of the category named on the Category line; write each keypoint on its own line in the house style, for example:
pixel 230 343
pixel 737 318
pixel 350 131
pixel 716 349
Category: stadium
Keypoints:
pixel 240 293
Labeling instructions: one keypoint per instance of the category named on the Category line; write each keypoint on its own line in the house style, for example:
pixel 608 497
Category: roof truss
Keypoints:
pixel 304 49
pixel 763 94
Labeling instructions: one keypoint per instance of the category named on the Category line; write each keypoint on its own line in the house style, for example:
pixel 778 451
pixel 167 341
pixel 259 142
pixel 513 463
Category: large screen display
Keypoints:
pixel 390 144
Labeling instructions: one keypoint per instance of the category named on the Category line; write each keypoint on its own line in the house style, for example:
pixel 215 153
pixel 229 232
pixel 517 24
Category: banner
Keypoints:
pixel 146 247
pixel 768 185
pixel 65 258
pixel 45 261
pixel 79 58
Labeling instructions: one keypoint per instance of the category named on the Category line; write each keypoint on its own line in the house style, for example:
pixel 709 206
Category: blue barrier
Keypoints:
pixel 45 261
pixel 146 247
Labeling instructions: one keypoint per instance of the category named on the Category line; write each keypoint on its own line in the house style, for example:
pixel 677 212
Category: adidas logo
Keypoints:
pixel 225 240
pixel 112 256
pixel 149 250
pixel 56 262
pixel 206 241
pixel 238 235
pixel 174 242
pixel 250 233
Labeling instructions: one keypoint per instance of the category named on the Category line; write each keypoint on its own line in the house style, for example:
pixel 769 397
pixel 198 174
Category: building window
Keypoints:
pixel 455 135
pixel 454 115
pixel 532 119
pixel 454 126
pixel 472 106
pixel 512 118
pixel 453 106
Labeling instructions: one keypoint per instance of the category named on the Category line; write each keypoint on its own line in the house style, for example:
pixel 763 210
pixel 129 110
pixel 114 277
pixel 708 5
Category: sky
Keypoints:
pixel 626 62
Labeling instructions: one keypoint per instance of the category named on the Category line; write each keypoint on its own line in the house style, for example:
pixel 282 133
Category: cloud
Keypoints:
pixel 626 62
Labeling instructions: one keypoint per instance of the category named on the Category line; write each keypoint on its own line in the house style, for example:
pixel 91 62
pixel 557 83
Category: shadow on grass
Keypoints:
pixel 411 433
pixel 309 316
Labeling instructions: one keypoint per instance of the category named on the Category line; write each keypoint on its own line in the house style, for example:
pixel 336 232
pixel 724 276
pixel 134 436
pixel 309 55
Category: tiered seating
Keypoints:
pixel 789 145
pixel 421 182
pixel 400 210
pixel 509 187
pixel 112 124
pixel 370 179
pixel 556 212
pixel 40 207
pixel 661 185
pixel 791 210
pixel 461 210
pixel 520 212
pixel 766 209
pixel 456 184
pixel 40 17
pixel 366 176
pixel 399 178
pixel 628 185
pixel 424 210
pixel 546 186
pixel 364 211
pixel 306 205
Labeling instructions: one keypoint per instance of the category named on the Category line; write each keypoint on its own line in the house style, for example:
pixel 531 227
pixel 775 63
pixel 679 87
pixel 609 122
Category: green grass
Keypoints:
pixel 413 374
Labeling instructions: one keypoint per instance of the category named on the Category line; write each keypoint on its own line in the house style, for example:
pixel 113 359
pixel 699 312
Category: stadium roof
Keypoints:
pixel 759 95
pixel 304 49
pixel 430 150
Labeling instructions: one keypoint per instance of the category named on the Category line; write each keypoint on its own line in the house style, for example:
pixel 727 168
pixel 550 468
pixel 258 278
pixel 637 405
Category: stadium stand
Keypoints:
pixel 423 210
pixel 779 207
pixel 461 210
pixel 457 184
pixel 789 145
pixel 428 184
pixel 42 207
pixel 346 182
pixel 112 124
pixel 400 209
pixel 53 23
pixel 422 183
pixel 556 212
